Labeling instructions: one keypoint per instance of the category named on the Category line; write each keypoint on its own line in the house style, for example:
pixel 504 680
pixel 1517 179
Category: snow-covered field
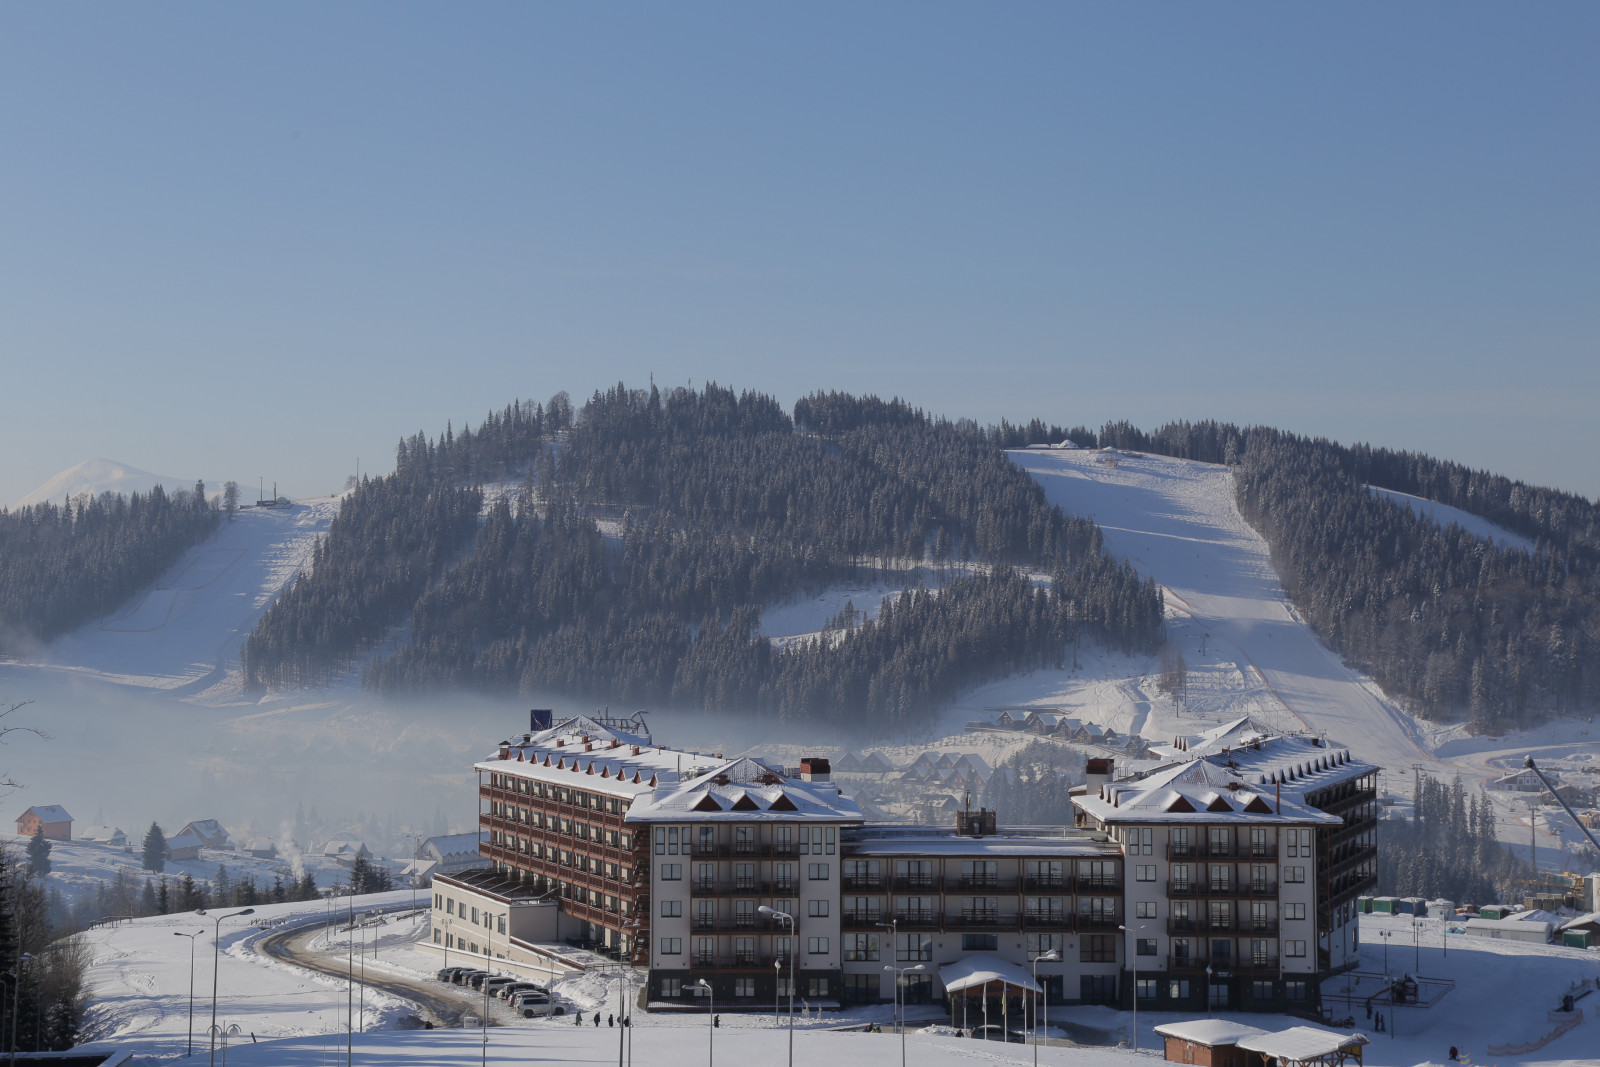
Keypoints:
pixel 141 971
pixel 1445 515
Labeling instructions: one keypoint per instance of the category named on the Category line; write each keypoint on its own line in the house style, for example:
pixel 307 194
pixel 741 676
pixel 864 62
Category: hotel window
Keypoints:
pixel 817 872
pixel 1144 872
pixel 817 987
pixel 744 987
pixel 672 909
pixel 1146 988
pixel 817 909
pixel 671 872
pixel 672 987
pixel 1042 944
pixel 861 947
pixel 1294 948
pixel 817 946
pixel 1140 841
pixel 1299 843
pixel 1145 909
pixel 672 946
pixel 1294 911
pixel 910 948
pixel 1145 946
pixel 1097 948
pixel 1294 874
pixel 1178 989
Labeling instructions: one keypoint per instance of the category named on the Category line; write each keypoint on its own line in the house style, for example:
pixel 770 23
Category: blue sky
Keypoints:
pixel 264 240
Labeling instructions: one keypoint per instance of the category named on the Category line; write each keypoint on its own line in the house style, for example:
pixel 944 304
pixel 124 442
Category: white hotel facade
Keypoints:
pixel 1225 878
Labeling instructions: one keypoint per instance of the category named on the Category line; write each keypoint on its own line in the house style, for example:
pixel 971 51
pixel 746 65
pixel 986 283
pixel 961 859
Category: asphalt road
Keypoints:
pixel 437 1002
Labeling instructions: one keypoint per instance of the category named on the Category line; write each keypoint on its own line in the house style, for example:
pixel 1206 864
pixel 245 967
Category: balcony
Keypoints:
pixel 979 917
pixel 1043 884
pixel 861 918
pixel 1097 884
pixel 919 920
pixel 983 885
pixel 1186 963
pixel 1183 889
pixel 785 889
pixel 1183 927
pixel 1263 852
pixel 915 883
pixel 1048 920
pixel 1098 922
pixel 1181 852
pixel 872 883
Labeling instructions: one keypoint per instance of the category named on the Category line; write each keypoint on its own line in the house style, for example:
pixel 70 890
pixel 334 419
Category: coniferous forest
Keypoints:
pixel 1450 625
pixel 1449 849
pixel 648 530
pixel 62 565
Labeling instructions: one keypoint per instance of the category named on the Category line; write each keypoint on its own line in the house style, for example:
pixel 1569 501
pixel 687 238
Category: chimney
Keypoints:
pixel 1097 772
pixel 815 769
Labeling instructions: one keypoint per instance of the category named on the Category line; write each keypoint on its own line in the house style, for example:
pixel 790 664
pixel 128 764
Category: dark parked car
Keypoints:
pixel 449 974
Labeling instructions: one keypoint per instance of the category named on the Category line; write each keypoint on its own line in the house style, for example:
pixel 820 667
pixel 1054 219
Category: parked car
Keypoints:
pixel 506 992
pixel 495 983
pixel 449 974
pixel 466 977
pixel 534 1008
pixel 996 1032
pixel 523 996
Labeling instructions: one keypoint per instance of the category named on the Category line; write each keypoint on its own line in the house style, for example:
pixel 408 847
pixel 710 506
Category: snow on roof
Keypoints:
pixel 981 968
pixel 1199 792
pixel 1210 1032
pixel 98 834
pixel 1582 920
pixel 609 760
pixel 1537 915
pixel 745 790
pixel 445 844
pixel 185 841
pixel 901 840
pixel 1300 1043
pixel 1512 923
pixel 50 813
pixel 1232 734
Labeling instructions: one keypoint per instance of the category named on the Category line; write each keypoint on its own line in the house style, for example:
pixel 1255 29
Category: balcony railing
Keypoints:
pixel 973 917
pixel 916 919
pixel 1046 884
pixel 1062 920
pixel 984 885
pixel 1098 922
pixel 1099 884
pixel 915 883
pixel 865 883
pixel 861 918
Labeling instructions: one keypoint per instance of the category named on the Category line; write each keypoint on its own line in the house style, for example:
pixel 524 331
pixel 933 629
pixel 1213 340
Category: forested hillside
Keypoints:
pixel 723 505
pixel 1446 622
pixel 62 565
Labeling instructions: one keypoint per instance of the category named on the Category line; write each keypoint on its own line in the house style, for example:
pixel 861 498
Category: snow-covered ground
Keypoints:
pixel 141 971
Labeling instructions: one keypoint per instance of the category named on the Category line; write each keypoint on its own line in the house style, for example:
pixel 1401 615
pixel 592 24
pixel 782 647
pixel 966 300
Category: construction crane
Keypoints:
pixel 1527 761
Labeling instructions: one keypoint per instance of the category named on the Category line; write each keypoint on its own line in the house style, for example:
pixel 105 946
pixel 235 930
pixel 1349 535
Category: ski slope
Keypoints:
pixel 1175 520
pixel 183 634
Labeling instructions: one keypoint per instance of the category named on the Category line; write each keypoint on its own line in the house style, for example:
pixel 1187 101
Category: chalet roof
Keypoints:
pixel 98 834
pixel 1199 792
pixel 50 813
pixel 454 844
pixel 744 790
pixel 875 761
pixel 581 754
pixel 185 841
pixel 1301 1044
pixel 1209 1032
pixel 208 829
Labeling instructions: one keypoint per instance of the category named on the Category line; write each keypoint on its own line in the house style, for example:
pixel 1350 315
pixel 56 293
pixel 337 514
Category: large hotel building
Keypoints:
pixel 1225 877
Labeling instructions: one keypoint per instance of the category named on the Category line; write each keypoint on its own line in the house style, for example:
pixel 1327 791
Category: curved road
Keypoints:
pixel 436 1002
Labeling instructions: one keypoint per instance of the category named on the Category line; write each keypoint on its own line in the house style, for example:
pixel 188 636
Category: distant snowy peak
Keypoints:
pixel 96 476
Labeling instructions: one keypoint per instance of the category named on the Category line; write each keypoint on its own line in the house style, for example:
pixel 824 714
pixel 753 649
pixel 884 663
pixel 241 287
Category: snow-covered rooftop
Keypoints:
pixel 1234 734
pixel 50 813
pixel 608 759
pixel 1009 841
pixel 1198 792
pixel 1210 1032
pixel 743 790
pixel 1300 1043
pixel 980 969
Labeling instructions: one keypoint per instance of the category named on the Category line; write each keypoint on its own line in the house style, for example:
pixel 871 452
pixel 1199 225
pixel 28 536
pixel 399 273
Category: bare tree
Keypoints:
pixel 8 783
pixel 230 498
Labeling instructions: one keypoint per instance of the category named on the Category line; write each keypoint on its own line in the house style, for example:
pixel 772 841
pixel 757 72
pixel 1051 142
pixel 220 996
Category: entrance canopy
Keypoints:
pixel 977 971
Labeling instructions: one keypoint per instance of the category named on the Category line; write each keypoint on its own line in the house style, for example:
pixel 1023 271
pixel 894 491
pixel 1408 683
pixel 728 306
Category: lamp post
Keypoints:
pixel 1133 965
pixel 488 962
pixel 900 1004
pixel 773 913
pixel 1208 991
pixel 893 926
pixel 1048 957
pixel 627 1018
pixel 191 937
pixel 216 958
pixel 704 986
pixel 447 937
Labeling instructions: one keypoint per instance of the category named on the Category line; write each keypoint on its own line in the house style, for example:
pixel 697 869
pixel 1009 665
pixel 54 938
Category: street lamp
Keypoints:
pixel 627 1018
pixel 216 958
pixel 900 1004
pixel 1133 964
pixel 893 926
pixel 773 913
pixel 704 986
pixel 191 937
pixel 488 962
pixel 1048 957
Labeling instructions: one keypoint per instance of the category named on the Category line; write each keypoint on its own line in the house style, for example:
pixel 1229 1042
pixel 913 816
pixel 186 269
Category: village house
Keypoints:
pixel 51 818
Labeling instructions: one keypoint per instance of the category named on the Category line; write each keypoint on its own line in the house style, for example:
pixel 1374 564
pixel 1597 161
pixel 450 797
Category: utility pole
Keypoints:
pixel 1416 787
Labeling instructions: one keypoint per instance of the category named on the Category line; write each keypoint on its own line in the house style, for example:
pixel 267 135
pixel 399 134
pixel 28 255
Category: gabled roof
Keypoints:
pixel 1209 1032
pixel 185 841
pixel 744 790
pixel 582 754
pixel 50 813
pixel 875 761
pixel 1233 734
pixel 1199 792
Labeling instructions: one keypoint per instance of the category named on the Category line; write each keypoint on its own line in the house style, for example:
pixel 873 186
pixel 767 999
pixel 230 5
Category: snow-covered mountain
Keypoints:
pixel 96 476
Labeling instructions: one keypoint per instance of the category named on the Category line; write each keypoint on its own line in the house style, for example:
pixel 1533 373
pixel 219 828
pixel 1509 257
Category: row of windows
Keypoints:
pixel 746 987
pixel 560 794
pixel 563 857
pixel 705 873
pixel 458 908
pixel 1260 910
pixel 812 840
pixel 566 827
pixel 706 947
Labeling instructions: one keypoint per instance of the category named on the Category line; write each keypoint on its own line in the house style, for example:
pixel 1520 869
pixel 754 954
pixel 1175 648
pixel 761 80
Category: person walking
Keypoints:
pixel 1454 1054
pixel 597 1018
pixel 578 1019
pixel 716 1021
pixel 611 1020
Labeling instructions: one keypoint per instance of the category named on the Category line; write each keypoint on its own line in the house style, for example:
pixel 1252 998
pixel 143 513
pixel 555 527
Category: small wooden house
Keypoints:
pixel 51 818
